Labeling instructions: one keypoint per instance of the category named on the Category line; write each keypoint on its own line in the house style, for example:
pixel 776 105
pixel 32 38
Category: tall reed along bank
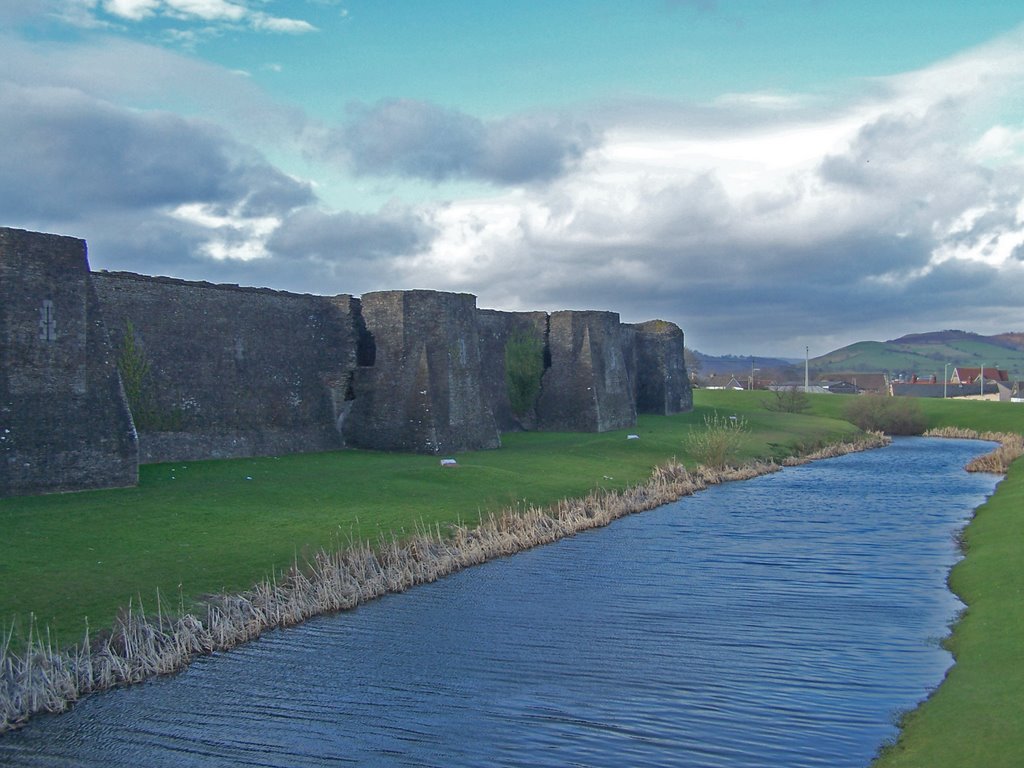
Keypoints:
pixel 146 642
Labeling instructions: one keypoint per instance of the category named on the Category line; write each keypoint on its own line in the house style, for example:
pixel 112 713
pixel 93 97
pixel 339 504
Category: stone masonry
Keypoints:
pixel 224 371
pixel 64 422
pixel 587 387
pixel 422 389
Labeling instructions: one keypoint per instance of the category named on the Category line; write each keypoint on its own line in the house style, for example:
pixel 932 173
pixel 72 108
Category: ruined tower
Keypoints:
pixel 64 422
pixel 420 388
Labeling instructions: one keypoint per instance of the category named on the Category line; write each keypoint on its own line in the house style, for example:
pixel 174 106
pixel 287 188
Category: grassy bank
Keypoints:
pixel 199 528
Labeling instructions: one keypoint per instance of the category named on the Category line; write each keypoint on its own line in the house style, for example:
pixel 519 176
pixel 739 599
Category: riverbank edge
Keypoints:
pixel 47 679
pixel 998 461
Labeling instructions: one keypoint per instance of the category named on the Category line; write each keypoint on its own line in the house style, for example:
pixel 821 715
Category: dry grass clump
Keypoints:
pixel 869 441
pixel 1011 446
pixel 46 678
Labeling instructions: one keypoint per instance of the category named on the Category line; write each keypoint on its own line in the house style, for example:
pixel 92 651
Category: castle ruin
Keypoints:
pixel 101 371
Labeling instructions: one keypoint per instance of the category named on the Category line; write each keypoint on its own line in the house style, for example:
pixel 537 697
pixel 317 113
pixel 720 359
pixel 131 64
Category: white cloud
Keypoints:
pixel 208 11
pixel 133 10
pixel 263 22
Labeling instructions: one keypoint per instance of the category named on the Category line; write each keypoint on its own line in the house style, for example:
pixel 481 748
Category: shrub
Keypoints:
pixel 717 445
pixel 788 400
pixel 891 415
pixel 134 369
pixel 524 365
pixel 133 365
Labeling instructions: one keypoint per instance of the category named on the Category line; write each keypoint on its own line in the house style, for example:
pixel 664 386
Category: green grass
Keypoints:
pixel 196 528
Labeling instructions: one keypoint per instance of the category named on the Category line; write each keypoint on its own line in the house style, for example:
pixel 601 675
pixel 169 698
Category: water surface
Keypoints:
pixel 782 621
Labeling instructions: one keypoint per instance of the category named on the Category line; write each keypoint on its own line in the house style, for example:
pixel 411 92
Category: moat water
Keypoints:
pixel 782 621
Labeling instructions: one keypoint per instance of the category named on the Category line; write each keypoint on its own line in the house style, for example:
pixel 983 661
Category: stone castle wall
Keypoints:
pixel 422 390
pixel 587 387
pixel 661 381
pixel 64 422
pixel 233 371
pixel 496 331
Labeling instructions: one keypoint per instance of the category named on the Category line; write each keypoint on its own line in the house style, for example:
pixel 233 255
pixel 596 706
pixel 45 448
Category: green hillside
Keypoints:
pixel 927 354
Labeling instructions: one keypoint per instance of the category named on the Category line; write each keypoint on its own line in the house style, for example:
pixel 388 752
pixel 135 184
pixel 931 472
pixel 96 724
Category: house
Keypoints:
pixel 971 375
pixel 723 381
pixel 874 383
pixel 842 387
pixel 927 388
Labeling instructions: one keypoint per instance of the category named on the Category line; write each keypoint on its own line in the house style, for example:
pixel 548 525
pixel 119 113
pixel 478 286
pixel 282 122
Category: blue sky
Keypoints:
pixel 768 175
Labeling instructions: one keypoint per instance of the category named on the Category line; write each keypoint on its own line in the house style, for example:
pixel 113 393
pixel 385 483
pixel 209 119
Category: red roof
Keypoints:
pixel 970 375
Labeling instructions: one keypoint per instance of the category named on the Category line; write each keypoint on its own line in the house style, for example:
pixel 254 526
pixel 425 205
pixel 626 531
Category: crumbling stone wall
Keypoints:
pixel 233 371
pixel 497 331
pixel 229 371
pixel 420 390
pixel 662 385
pixel 587 386
pixel 64 423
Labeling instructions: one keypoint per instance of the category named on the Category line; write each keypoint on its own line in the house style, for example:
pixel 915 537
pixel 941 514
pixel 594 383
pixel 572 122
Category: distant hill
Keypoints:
pixel 735 365
pixel 925 354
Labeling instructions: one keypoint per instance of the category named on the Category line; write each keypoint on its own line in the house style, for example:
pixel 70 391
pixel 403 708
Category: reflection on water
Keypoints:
pixel 782 621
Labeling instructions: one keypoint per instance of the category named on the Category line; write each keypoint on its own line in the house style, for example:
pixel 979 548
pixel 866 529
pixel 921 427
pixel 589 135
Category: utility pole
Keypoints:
pixel 981 378
pixel 945 380
pixel 807 369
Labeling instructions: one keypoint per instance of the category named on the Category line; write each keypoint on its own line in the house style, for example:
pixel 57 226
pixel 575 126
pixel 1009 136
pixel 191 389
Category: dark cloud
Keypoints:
pixel 346 237
pixel 423 140
pixel 310 252
pixel 65 155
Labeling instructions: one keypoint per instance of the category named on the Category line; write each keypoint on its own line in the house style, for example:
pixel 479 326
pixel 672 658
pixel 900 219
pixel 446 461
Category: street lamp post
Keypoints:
pixel 807 369
pixel 945 380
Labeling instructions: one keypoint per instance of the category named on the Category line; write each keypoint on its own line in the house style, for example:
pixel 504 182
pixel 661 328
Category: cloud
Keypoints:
pixel 205 11
pixel 419 139
pixel 344 236
pixel 758 222
pixel 158 78
pixel 150 191
pixel 68 155
pixel 760 228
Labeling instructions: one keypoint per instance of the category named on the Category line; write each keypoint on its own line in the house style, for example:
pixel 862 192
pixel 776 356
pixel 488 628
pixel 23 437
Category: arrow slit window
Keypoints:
pixel 47 322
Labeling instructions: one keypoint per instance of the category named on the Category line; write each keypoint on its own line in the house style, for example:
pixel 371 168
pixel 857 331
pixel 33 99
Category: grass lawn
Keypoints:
pixel 196 528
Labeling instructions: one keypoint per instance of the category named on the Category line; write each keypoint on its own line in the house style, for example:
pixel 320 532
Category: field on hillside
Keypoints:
pixel 922 358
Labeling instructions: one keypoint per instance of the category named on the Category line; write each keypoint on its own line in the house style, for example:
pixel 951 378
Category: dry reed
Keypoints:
pixel 45 678
pixel 1011 447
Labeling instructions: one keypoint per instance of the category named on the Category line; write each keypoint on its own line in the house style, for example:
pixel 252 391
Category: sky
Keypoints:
pixel 771 176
